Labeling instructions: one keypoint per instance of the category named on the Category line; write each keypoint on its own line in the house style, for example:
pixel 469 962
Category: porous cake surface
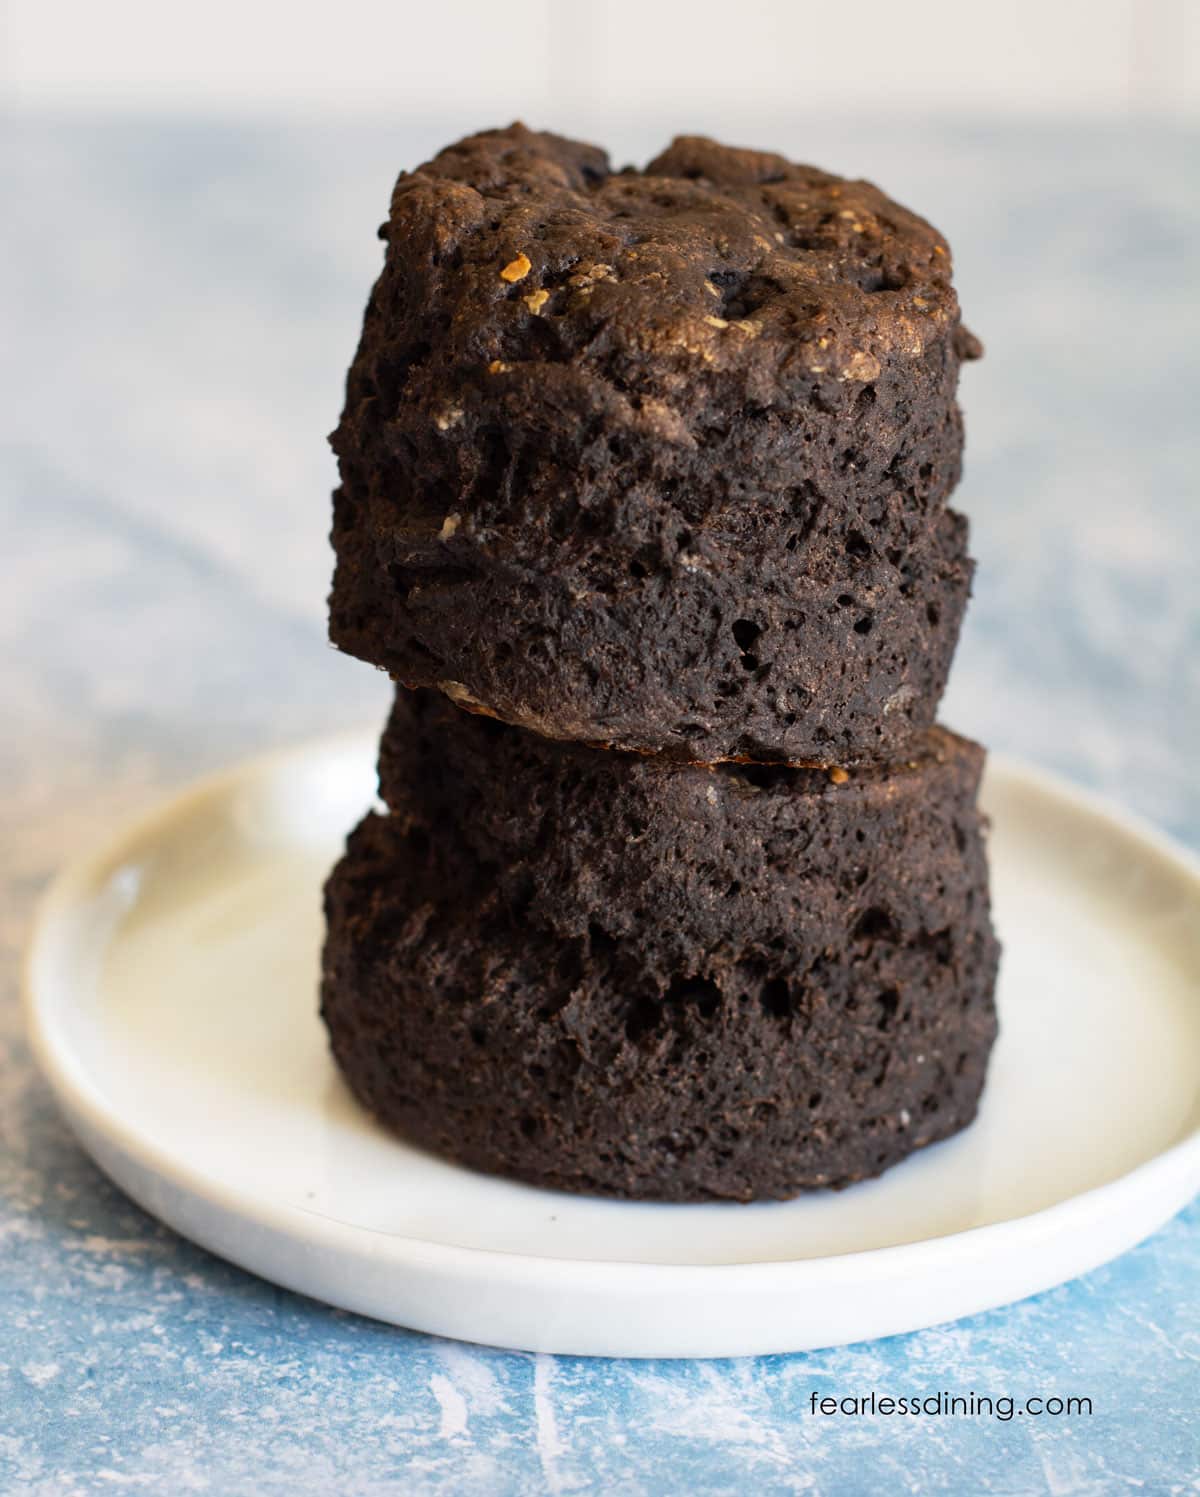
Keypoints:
pixel 615 975
pixel 680 861
pixel 657 459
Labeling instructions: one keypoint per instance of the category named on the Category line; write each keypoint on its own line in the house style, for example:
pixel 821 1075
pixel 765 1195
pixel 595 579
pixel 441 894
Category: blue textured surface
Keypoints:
pixel 190 299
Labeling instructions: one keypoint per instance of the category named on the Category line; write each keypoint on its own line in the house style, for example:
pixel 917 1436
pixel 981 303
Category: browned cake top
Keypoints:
pixel 712 256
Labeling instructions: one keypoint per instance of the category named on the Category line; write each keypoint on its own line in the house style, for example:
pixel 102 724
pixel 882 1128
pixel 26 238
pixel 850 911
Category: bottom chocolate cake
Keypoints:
pixel 609 975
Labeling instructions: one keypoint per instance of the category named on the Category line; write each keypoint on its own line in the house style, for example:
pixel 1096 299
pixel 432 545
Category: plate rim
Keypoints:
pixel 85 1107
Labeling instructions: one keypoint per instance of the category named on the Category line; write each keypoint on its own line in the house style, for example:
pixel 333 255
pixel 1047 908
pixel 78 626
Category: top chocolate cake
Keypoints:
pixel 657 459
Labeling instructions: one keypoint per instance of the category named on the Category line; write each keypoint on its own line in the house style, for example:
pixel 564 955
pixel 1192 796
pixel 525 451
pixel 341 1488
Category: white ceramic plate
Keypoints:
pixel 172 1003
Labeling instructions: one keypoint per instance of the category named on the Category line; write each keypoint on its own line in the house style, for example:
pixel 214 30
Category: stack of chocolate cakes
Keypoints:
pixel 680 893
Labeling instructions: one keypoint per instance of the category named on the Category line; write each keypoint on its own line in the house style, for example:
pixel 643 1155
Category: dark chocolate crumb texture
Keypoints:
pixel 677 860
pixel 612 974
pixel 657 459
